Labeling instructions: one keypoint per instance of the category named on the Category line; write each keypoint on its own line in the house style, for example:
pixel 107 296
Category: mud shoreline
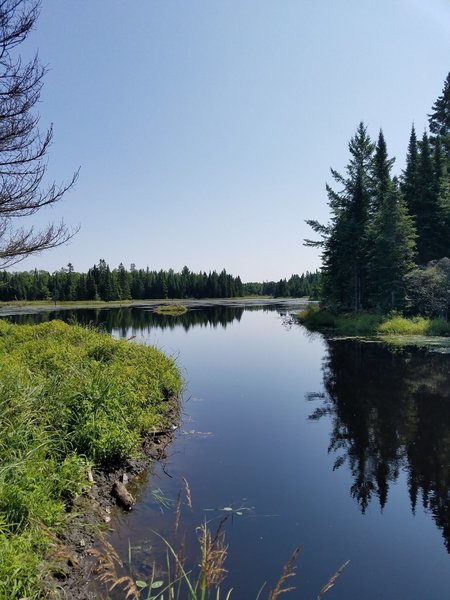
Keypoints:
pixel 78 565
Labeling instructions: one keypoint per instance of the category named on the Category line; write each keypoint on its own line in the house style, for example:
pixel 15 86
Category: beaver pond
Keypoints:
pixel 341 446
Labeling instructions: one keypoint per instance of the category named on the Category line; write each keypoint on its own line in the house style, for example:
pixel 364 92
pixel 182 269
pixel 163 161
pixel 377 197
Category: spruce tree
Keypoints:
pixel 382 166
pixel 442 194
pixel 439 119
pixel 392 249
pixel 428 210
pixel 410 177
pixel 344 243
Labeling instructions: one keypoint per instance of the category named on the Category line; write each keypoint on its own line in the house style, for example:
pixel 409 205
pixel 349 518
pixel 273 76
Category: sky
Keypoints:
pixel 205 129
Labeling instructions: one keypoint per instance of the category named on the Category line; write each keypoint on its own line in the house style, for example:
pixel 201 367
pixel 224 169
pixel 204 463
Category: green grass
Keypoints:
pixel 372 324
pixel 69 398
pixel 171 309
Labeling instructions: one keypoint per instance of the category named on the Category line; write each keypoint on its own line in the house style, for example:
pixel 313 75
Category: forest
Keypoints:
pixel 103 283
pixel 386 246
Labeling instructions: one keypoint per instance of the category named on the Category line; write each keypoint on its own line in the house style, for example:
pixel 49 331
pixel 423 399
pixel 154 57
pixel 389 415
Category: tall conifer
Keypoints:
pixel 345 244
pixel 410 177
pixel 392 251
pixel 439 119
pixel 428 212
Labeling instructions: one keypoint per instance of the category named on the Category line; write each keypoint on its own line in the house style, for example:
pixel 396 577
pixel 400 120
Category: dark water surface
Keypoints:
pixel 340 446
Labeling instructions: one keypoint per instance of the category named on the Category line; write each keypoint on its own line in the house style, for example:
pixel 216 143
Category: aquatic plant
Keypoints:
pixel 176 581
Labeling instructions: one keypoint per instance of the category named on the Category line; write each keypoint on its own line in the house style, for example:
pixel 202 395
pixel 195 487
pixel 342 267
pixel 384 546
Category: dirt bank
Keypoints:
pixel 76 563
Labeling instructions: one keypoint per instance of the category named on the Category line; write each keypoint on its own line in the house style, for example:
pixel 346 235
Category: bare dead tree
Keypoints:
pixel 23 149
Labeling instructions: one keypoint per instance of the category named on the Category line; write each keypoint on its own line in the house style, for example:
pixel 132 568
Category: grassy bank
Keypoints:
pixel 372 324
pixel 69 398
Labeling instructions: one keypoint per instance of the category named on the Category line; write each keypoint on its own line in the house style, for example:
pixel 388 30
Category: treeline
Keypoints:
pixel 103 283
pixel 297 286
pixel 383 246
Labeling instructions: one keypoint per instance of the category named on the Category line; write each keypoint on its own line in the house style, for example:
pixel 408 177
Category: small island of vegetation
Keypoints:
pixel 171 309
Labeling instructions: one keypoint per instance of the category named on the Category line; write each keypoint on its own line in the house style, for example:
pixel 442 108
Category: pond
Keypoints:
pixel 340 446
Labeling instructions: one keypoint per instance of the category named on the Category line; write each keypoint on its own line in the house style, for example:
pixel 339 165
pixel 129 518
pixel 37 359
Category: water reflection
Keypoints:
pixel 124 319
pixel 390 412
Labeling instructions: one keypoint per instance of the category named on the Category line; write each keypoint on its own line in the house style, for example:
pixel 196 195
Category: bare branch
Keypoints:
pixel 23 149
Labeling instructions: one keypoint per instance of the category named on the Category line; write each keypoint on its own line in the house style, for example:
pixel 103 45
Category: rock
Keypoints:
pixel 122 495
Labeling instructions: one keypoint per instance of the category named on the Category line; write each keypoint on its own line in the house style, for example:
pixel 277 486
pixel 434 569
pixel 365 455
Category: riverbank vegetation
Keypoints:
pixel 103 283
pixel 372 324
pixel 386 245
pixel 70 398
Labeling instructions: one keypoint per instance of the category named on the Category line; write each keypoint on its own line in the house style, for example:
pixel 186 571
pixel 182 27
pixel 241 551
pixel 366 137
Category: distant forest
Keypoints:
pixel 103 283
pixel 387 245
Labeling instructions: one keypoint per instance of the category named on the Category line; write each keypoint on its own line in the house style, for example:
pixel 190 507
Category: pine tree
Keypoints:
pixel 382 166
pixel 410 177
pixel 439 119
pixel 344 243
pixel 123 282
pixel 392 249
pixel 428 210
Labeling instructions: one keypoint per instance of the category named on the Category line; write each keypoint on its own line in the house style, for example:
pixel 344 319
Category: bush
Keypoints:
pixel 316 318
pixel 398 325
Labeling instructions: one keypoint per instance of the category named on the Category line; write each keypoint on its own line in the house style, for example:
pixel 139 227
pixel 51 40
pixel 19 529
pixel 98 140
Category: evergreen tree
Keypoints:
pixel 428 210
pixel 439 119
pixel 392 249
pixel 345 249
pixel 410 177
pixel 382 166
pixel 123 282
pixel 442 194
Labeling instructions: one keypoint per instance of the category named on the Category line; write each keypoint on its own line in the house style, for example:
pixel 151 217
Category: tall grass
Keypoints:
pixel 69 398
pixel 177 581
pixel 365 323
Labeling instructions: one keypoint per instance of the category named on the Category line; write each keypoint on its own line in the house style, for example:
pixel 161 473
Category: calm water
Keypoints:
pixel 340 446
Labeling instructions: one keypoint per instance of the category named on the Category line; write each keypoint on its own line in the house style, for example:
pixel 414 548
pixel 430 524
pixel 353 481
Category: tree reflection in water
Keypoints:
pixel 390 411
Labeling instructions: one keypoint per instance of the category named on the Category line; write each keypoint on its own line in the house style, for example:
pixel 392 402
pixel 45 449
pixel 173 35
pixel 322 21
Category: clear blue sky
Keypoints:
pixel 205 130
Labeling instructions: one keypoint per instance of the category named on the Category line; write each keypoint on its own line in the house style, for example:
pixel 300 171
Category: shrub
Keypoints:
pixel 314 317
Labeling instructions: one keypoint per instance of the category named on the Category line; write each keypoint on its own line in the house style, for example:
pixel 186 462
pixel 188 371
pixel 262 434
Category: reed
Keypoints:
pixel 203 582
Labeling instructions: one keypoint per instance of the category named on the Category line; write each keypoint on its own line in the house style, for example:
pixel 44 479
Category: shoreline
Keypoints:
pixel 12 308
pixel 392 329
pixel 79 573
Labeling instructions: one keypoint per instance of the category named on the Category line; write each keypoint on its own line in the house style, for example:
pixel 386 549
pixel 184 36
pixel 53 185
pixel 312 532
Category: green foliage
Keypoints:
pixel 372 324
pixel 171 309
pixel 398 325
pixel 429 289
pixel 102 283
pixel 316 318
pixel 69 397
pixel 379 231
pixel 439 119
